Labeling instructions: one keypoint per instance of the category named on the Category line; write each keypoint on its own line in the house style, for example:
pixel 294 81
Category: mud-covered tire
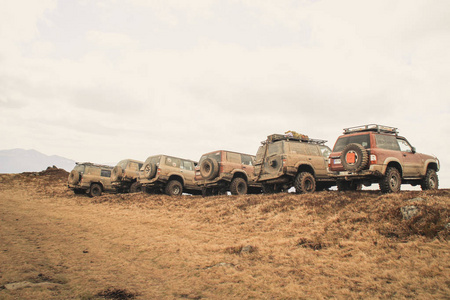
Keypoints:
pixel 116 173
pixel 209 168
pixel 149 170
pixel 391 181
pixel 354 157
pixel 74 177
pixel 238 186
pixel 304 183
pixel 95 190
pixel 135 187
pixel 431 181
pixel 174 188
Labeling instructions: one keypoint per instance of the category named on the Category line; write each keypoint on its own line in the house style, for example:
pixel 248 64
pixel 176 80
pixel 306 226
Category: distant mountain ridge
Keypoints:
pixel 22 160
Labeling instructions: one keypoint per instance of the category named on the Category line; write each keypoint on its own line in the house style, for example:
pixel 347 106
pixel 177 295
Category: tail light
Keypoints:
pixel 159 171
pixel 373 159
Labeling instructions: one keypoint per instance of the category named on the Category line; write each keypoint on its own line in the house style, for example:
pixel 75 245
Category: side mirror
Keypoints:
pixel 413 149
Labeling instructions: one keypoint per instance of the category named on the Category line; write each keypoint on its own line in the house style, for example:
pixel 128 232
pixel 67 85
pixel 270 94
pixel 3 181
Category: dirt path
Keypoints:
pixel 91 247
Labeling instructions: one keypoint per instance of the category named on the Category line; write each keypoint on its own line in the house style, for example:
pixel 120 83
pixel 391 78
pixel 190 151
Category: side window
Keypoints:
pixel 173 162
pixel 247 160
pixel 298 148
pixel 404 146
pixel 105 173
pixel 313 150
pixel 188 165
pixel 387 142
pixel 233 157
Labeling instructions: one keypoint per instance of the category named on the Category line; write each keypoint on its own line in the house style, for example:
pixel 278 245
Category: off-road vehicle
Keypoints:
pixel 285 161
pixel 125 174
pixel 377 154
pixel 90 178
pixel 222 171
pixel 168 174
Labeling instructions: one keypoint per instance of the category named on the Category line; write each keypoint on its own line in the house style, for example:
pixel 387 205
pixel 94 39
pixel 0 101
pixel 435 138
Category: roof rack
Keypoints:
pixel 284 137
pixel 93 164
pixel 372 127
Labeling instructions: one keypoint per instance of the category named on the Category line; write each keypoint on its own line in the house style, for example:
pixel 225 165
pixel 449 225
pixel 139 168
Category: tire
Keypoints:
pixel 95 190
pixel 391 181
pixel 74 177
pixel 174 188
pixel 354 157
pixel 149 170
pixel 304 183
pixel 209 168
pixel 135 187
pixel 431 181
pixel 116 173
pixel 238 186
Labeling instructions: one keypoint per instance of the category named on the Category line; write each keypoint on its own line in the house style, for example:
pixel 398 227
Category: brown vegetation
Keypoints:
pixel 282 246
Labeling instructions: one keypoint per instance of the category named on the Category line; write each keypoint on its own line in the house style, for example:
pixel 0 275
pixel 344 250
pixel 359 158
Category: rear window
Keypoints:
pixel 326 151
pixel 215 156
pixel 79 168
pixel 343 141
pixel 275 148
pixel 153 160
pixel 123 164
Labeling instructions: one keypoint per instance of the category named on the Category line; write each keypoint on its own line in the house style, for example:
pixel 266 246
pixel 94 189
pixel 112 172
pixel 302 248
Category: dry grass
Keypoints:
pixel 282 246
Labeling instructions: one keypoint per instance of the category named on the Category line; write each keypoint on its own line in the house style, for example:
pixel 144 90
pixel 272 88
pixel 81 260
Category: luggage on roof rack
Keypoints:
pixel 372 127
pixel 287 137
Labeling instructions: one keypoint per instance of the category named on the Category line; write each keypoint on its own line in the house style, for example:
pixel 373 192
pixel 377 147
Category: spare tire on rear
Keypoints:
pixel 209 168
pixel 149 170
pixel 74 177
pixel 354 157
pixel 116 173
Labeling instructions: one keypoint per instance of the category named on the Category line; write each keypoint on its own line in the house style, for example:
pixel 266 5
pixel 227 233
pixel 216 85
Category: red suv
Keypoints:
pixel 377 154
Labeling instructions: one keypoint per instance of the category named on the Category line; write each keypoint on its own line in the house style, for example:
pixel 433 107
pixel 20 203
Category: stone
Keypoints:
pixel 409 212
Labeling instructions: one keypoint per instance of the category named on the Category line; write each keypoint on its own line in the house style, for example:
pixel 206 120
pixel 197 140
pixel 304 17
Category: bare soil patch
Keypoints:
pixel 280 246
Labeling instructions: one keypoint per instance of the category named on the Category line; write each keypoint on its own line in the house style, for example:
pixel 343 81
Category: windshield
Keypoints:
pixel 343 141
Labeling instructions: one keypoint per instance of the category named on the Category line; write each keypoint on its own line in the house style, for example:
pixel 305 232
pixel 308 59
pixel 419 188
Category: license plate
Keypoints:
pixel 337 161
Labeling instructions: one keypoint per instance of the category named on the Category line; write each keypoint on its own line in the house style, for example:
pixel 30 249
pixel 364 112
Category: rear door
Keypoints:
pixel 272 162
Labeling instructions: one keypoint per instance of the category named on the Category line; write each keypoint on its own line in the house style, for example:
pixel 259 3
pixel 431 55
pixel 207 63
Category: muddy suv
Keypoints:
pixel 377 154
pixel 125 174
pixel 222 171
pixel 90 178
pixel 168 174
pixel 285 161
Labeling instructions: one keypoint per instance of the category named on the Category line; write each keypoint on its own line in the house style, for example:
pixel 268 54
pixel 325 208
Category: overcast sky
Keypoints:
pixel 106 80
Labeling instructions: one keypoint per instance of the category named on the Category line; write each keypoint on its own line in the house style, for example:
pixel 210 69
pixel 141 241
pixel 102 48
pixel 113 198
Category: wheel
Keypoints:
pixel 116 173
pixel 135 187
pixel 74 177
pixel 354 157
pixel 391 181
pixel 431 181
pixel 95 190
pixel 304 183
pixel 174 188
pixel 209 168
pixel 149 170
pixel 238 186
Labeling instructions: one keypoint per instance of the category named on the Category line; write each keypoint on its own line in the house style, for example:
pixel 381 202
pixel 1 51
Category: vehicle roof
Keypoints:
pixel 94 165
pixel 133 160
pixel 227 151
pixel 165 155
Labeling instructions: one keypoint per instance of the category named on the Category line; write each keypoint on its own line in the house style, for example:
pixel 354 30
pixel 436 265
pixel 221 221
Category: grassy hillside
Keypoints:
pixel 282 246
